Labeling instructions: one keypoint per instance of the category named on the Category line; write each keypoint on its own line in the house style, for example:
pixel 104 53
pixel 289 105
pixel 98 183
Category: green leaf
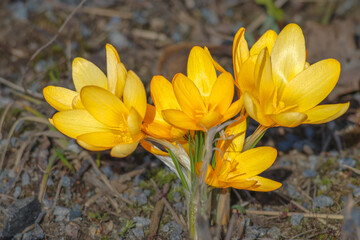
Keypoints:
pixel 239 208
pixel 64 160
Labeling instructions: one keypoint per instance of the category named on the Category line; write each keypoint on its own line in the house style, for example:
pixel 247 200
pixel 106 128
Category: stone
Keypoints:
pixel 308 173
pixel 296 219
pixel 25 179
pixel 61 213
pixel 140 199
pixel 356 192
pixel 141 222
pixel 66 181
pixel 20 215
pixel 346 161
pixel 274 233
pixel 17 192
pixel 138 233
pixel 323 201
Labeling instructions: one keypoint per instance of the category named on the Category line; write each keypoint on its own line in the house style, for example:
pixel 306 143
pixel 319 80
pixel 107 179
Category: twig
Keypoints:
pixel 231 227
pixel 19 88
pixel 155 219
pixel 308 215
pixel 357 171
pixel 104 12
pixel 301 234
pixel 48 44
pixel 105 180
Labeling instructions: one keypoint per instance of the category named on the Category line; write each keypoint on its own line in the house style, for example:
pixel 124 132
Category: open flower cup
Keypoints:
pixel 195 126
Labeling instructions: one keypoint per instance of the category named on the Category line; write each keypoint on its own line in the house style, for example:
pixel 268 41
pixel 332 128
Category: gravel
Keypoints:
pixel 323 201
pixel 138 233
pixel 17 192
pixel 25 179
pixel 141 222
pixel 61 213
pixel 308 173
pixel 274 233
pixel 296 219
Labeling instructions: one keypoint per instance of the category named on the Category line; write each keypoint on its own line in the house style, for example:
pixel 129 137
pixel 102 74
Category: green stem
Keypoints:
pixel 252 140
pixel 178 169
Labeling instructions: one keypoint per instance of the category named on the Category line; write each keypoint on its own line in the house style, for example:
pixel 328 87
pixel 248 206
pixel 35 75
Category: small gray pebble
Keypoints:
pixel 308 173
pixel 356 192
pixel 141 199
pixel 274 233
pixel 296 219
pixel 50 182
pixel 61 213
pixel 66 181
pixel 11 173
pixel 107 170
pixel 292 191
pixel 17 192
pixel 147 192
pixel 141 222
pixel 25 179
pixel 177 196
pixel 323 201
pixel 138 232
pixel 262 232
pixel 346 161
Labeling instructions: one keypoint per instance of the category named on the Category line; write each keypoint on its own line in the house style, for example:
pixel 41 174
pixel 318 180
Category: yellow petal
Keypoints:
pixel 264 81
pixel 158 130
pixel 254 110
pixel 123 150
pixel 121 80
pixel 134 94
pixel 246 79
pixel 105 139
pixel 216 64
pixel 312 86
pixel 240 51
pixel 148 146
pixel 222 93
pixel 267 40
pixel 201 71
pixel 325 113
pixel 163 94
pixel 254 161
pixel 150 113
pixel 263 184
pixel 234 146
pixel 289 119
pixel 104 106
pixel 91 147
pixel 209 120
pixel 244 184
pixel 112 60
pixel 134 122
pixel 233 110
pixel 211 178
pixel 73 123
pixel 188 96
pixel 179 119
pixel 59 98
pixel 86 73
pixel 76 103
pixel 288 55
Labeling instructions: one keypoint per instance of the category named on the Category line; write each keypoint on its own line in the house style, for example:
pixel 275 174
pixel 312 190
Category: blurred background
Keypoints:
pixel 319 165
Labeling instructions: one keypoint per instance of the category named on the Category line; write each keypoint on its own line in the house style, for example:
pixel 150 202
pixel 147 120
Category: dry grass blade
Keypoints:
pixel 48 44
pixel 11 132
pixel 308 215
pixel 6 110
pixel 19 88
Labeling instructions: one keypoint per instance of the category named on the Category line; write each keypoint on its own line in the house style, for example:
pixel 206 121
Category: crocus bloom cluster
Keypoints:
pixel 279 86
pixel 276 87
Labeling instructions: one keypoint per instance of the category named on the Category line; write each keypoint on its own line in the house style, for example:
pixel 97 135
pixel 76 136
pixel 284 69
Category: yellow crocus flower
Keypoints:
pixel 164 98
pixel 85 73
pixel 279 87
pixel 104 113
pixel 240 169
pixel 204 99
